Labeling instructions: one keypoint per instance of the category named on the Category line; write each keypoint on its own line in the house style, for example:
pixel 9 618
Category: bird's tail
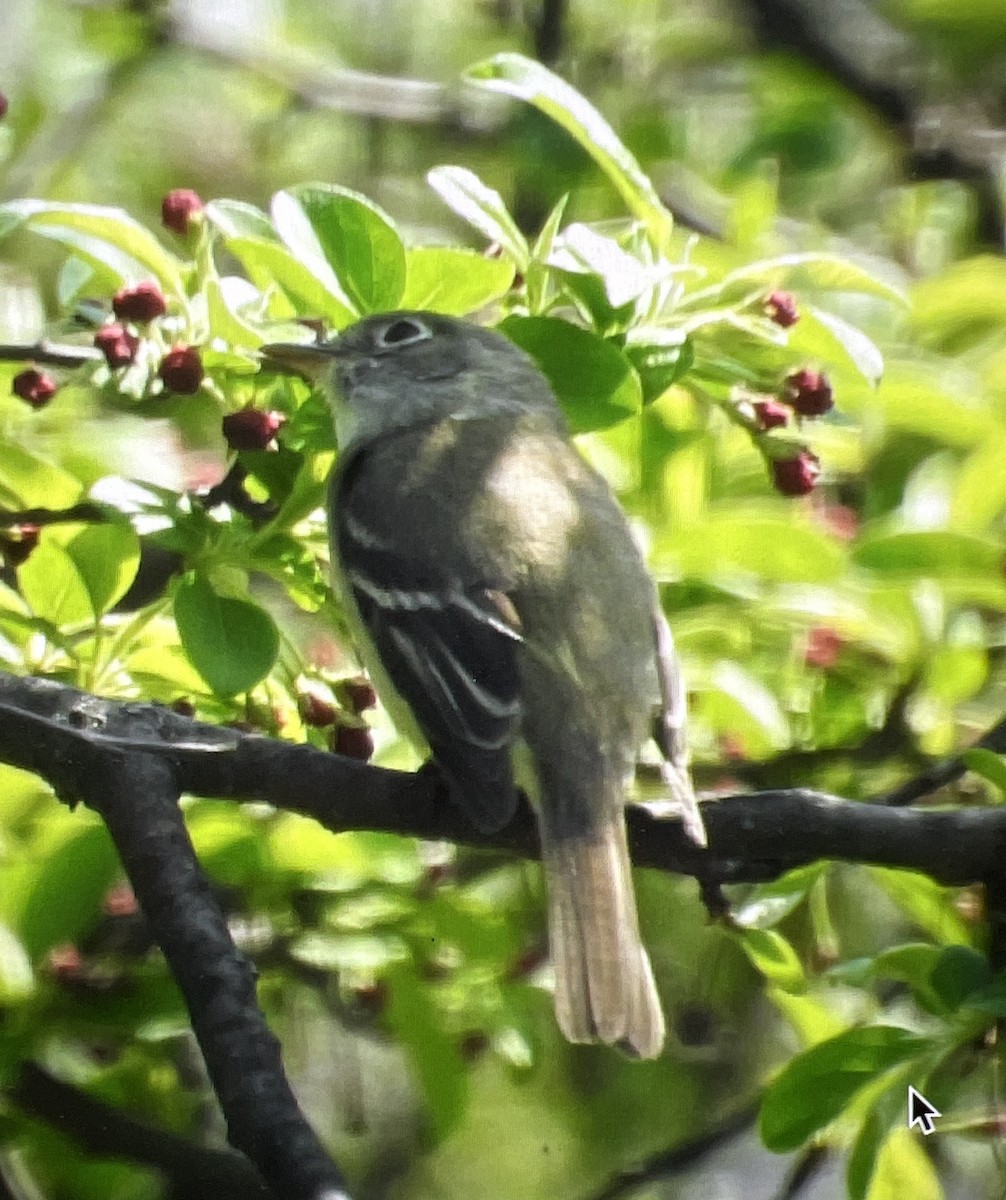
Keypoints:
pixel 604 988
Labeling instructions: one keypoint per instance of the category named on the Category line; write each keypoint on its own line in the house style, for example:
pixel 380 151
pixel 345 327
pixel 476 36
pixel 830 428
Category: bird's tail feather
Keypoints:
pixel 604 988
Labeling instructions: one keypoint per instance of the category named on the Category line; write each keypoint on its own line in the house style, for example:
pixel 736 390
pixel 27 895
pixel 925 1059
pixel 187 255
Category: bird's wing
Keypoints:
pixel 449 647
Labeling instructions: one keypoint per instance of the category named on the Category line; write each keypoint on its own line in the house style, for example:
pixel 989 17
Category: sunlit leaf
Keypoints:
pixel 524 79
pixel 463 192
pixel 231 643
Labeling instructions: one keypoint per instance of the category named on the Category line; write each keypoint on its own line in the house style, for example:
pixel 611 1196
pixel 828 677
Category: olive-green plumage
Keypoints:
pixel 506 614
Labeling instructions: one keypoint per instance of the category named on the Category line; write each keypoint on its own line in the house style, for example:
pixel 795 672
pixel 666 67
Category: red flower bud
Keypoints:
pixel 770 413
pixel 781 308
pixel 251 428
pixel 3 106
pixel 316 710
pixel 360 694
pixel 141 303
pixel 118 345
pixel 179 208
pixel 353 741
pixel 183 706
pixel 120 901
pixel 65 962
pixel 18 543
pixel 796 476
pixel 809 392
pixel 823 645
pixel 36 387
pixel 181 370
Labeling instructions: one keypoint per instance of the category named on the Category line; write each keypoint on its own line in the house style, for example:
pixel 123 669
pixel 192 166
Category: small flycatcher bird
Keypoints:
pixel 507 619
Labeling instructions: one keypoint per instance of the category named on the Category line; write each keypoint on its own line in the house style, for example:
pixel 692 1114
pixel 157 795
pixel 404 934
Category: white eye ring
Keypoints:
pixel 403 332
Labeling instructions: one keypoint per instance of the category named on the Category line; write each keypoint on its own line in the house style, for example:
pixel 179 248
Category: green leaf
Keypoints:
pixel 816 1086
pixel 935 553
pixel 582 250
pixel 739 702
pixel 929 904
pixel 768 903
pixel 593 380
pixel 236 219
pixel 231 643
pixel 57 897
pixel 957 973
pixel 838 340
pixel 464 193
pixel 53 587
pixel 447 279
pixel 107 558
pixel 336 232
pixel 527 80
pixel 272 265
pixel 27 481
pixel 112 226
pixel 419 1027
pixel 17 980
pixel 979 495
pixel 772 955
pixel 989 765
pixel 816 270
pixel 748 541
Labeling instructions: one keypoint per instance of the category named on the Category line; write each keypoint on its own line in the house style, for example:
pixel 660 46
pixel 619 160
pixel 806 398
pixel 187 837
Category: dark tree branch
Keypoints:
pixel 136 794
pixel 196 1172
pixel 50 354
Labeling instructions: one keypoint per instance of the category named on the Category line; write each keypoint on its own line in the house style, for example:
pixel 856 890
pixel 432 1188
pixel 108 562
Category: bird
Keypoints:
pixel 504 611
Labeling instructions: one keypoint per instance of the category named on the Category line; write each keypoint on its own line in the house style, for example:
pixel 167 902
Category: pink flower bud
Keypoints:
pixel 181 370
pixel 781 308
pixel 809 393
pixel 180 208
pixel 796 476
pixel 823 646
pixel 770 413
pixel 251 428
pixel 141 303
pixel 35 387
pixel 118 345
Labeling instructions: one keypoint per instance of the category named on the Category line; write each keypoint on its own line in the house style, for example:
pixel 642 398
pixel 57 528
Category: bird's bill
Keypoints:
pixel 305 358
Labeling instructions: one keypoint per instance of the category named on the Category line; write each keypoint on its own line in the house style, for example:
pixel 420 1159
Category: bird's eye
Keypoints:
pixel 403 332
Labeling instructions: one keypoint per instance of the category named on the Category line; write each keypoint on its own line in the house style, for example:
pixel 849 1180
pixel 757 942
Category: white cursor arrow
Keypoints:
pixel 921 1112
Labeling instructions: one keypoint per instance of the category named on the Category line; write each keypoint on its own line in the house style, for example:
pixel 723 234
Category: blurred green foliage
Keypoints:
pixel 834 640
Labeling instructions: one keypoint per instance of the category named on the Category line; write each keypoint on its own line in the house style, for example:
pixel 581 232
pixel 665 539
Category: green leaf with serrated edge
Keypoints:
pixel 113 226
pixel 988 765
pixel 107 558
pixel 593 381
pixel 231 643
pixel 815 1087
pixel 773 956
pixel 328 226
pixel 271 265
pixel 527 80
pixel 52 586
pixel 475 202
pixel 937 553
pixel 448 279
